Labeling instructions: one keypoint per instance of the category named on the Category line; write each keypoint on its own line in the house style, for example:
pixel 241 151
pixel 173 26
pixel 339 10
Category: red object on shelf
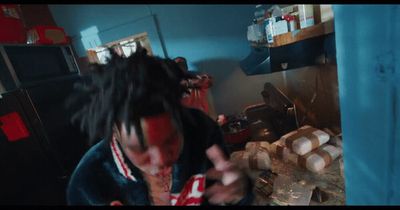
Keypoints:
pixel 47 35
pixel 236 131
pixel 238 137
pixel 11 26
pixel 13 127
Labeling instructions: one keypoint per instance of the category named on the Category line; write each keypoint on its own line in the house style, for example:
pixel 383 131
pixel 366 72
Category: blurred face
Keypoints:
pixel 162 143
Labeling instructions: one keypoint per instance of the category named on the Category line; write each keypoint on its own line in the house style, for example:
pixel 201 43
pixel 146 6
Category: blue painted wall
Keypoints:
pixel 211 37
pixel 367 44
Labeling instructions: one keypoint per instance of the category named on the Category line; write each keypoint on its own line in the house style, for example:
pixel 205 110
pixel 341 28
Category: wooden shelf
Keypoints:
pixel 301 34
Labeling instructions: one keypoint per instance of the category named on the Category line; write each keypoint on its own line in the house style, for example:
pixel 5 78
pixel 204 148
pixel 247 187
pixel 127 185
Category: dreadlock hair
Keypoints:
pixel 125 89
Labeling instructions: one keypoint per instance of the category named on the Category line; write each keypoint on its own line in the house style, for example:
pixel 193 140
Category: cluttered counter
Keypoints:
pixel 282 177
pixel 330 182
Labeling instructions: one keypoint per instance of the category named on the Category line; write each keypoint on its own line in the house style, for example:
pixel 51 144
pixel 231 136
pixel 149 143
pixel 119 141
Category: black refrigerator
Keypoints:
pixel 39 147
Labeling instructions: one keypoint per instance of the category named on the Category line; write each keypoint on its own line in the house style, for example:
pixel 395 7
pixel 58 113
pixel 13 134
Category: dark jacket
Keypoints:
pixel 100 178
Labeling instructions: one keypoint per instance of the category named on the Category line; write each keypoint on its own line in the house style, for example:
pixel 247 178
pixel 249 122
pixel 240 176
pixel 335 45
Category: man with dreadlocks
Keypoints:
pixel 151 149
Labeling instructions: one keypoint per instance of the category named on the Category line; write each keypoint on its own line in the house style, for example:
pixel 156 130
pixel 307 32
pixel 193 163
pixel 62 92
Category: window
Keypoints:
pixel 124 47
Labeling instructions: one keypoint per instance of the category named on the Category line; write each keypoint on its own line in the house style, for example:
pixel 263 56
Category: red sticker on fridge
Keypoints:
pixel 13 127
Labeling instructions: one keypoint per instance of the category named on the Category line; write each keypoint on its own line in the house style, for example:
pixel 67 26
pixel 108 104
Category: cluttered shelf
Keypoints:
pixel 299 35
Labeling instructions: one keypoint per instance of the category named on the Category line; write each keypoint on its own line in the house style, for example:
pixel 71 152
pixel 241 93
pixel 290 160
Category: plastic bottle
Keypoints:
pixel 269 30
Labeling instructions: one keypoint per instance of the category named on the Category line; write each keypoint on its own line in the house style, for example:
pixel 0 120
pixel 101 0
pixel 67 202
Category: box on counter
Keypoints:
pixel 305 139
pixel 256 32
pixel 280 26
pixel 255 146
pixel 279 149
pixel 313 161
pixel 326 12
pixel 254 159
pixel 259 160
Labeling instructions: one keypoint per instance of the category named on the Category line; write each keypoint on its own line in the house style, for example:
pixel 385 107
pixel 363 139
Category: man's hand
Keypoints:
pixel 231 185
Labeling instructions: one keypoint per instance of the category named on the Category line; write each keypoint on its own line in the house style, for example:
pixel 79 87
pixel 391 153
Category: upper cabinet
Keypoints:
pixel 289 37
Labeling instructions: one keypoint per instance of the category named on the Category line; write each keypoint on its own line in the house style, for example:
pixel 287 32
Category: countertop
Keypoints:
pixel 328 180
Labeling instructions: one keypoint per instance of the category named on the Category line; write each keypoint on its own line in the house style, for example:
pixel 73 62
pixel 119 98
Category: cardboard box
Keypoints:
pixel 326 12
pixel 280 27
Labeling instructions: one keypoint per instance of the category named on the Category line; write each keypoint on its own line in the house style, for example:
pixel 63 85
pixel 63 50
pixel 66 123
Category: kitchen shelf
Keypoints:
pixel 299 35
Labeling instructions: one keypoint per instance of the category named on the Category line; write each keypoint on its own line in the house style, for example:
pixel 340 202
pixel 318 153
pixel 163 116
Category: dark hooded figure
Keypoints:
pixel 197 87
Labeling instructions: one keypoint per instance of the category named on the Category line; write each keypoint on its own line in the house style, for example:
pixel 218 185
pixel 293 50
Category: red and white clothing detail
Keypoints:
pixel 160 184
